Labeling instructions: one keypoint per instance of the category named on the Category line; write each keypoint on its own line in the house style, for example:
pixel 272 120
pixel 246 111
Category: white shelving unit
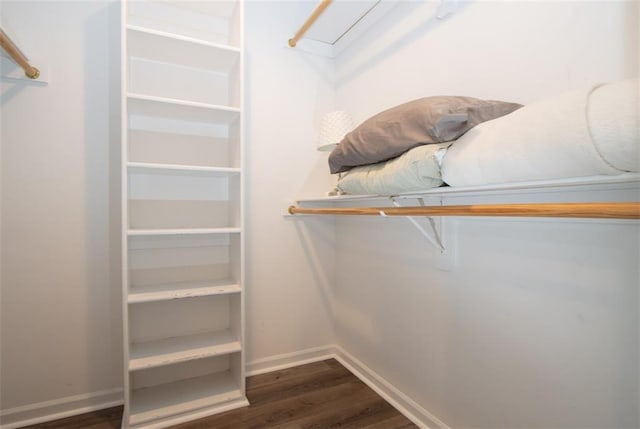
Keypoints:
pixel 182 194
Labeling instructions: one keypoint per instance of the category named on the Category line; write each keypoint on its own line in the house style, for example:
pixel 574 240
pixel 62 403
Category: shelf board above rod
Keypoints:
pixel 335 24
pixel 621 181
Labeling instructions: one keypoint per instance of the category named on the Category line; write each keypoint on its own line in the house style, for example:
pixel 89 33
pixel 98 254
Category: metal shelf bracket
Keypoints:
pixel 434 236
pixel 438 232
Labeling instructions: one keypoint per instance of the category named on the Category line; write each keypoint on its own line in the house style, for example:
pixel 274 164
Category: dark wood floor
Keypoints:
pixel 103 419
pixel 318 395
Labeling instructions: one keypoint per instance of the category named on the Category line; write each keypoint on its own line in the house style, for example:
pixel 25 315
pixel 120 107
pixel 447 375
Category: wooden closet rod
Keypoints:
pixel 309 22
pixel 17 55
pixel 567 210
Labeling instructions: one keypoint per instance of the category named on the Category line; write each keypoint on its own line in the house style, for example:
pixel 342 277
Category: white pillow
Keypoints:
pixel 415 170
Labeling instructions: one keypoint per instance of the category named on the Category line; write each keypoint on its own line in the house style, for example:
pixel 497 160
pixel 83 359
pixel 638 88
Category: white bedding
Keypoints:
pixel 587 132
pixel 415 170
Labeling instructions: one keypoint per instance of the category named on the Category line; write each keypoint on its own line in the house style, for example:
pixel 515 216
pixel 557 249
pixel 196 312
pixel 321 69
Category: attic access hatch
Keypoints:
pixel 338 24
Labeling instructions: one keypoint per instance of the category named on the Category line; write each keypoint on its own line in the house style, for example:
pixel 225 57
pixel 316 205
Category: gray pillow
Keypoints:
pixel 424 121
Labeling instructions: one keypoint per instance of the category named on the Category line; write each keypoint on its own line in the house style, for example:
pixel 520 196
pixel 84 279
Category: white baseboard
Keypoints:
pixel 288 360
pixel 40 412
pixel 193 415
pixel 405 405
pixel 60 408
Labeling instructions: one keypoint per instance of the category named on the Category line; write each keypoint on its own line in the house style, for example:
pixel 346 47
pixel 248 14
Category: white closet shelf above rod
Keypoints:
pixel 602 210
pixel 309 22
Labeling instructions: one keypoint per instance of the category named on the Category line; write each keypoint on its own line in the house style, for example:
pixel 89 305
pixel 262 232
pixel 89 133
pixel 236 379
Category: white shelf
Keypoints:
pixel 342 24
pixel 181 170
pixel 168 351
pixel 182 198
pixel 211 21
pixel 181 231
pixel 165 400
pixel 170 291
pixel 171 108
pixel 176 49
pixel 626 180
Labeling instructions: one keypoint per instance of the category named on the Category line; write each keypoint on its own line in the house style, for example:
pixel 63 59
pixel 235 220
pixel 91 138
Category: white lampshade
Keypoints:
pixel 333 127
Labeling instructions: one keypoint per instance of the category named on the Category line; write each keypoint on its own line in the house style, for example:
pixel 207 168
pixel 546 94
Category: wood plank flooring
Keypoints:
pixel 314 396
pixel 103 419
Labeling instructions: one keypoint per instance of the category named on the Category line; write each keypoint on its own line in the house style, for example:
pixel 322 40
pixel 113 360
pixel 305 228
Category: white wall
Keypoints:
pixel 570 350
pixel 287 278
pixel 61 318
pixel 518 50
pixel 537 324
pixel 61 328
